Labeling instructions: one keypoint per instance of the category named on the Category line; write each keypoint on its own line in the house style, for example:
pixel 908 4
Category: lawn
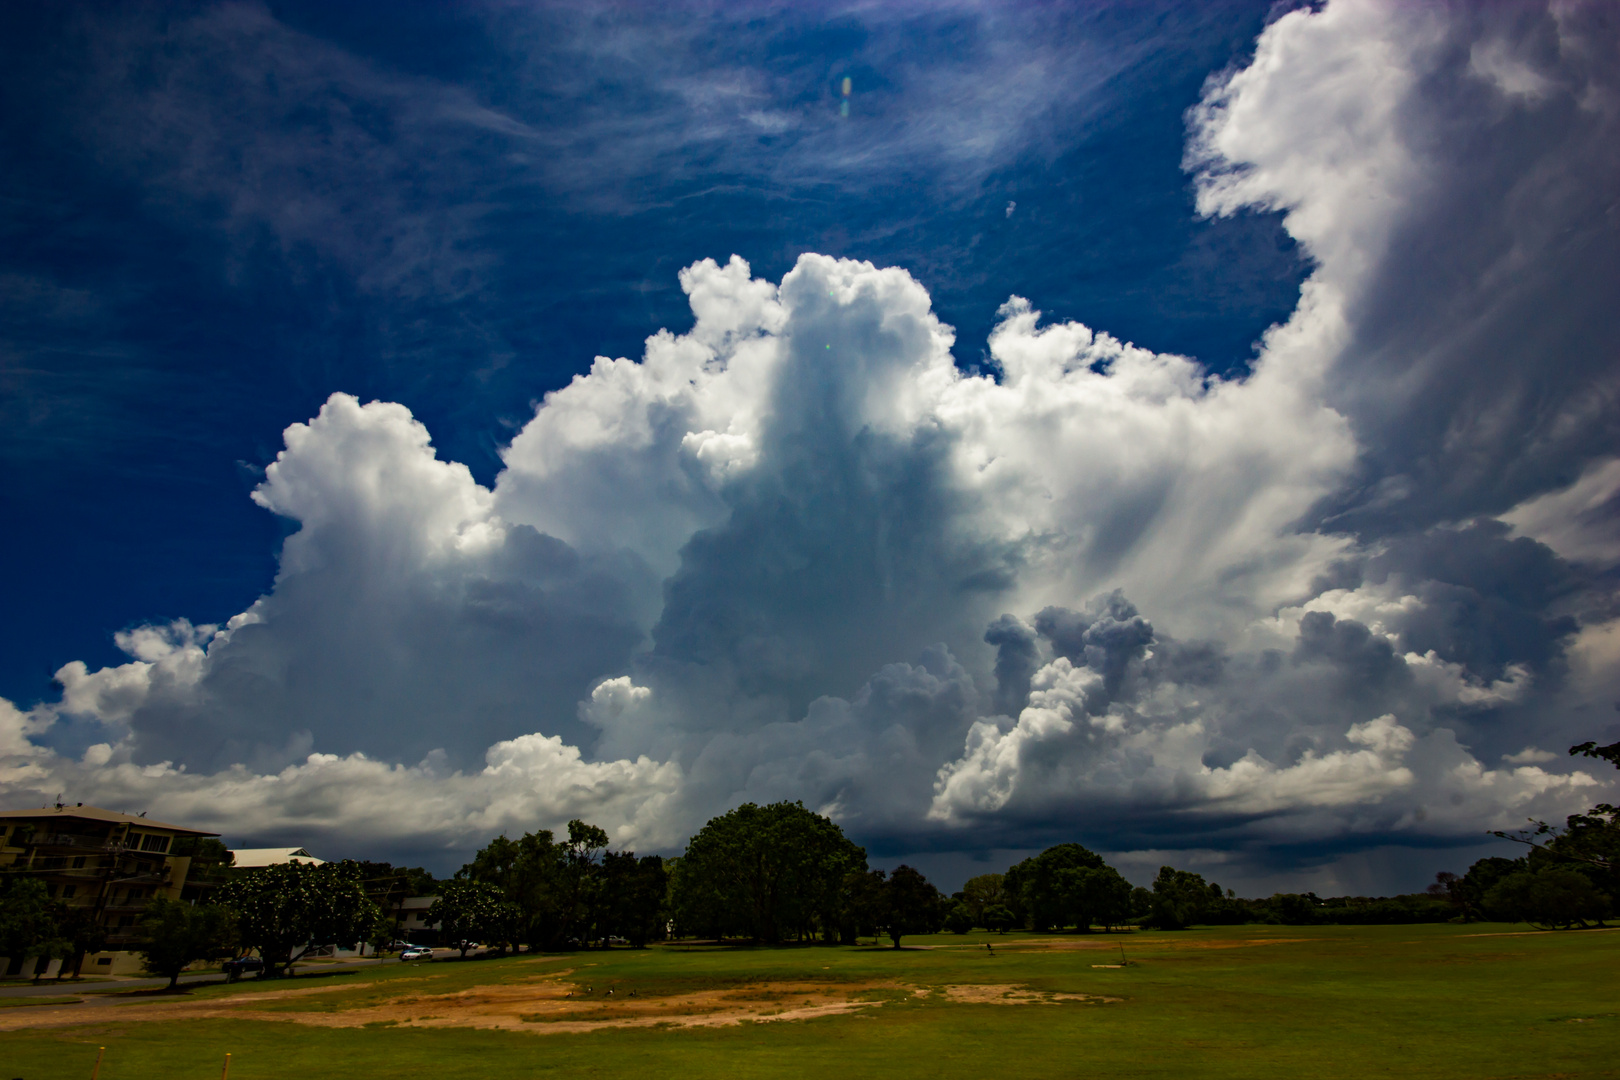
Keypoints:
pixel 1408 1001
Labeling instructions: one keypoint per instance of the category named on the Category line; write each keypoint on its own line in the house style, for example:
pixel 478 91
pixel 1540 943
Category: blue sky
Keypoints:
pixel 1367 551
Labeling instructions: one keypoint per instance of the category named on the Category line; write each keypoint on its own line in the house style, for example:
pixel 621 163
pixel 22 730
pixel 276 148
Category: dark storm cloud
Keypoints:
pixel 1489 600
pixel 1017 657
pixel 1503 360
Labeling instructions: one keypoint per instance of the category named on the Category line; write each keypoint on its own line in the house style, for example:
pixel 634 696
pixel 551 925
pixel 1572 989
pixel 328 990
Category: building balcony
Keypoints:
pixel 69 840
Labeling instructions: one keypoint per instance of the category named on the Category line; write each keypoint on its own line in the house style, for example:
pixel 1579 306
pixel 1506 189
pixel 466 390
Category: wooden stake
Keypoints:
pixel 225 1073
pixel 97 1069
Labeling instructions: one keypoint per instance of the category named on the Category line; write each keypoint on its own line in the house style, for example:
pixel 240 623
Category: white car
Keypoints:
pixel 416 952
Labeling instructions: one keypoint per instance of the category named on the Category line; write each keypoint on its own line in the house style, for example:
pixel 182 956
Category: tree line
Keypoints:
pixel 781 873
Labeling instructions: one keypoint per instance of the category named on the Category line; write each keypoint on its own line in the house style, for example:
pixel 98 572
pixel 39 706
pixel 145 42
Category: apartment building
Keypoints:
pixel 107 864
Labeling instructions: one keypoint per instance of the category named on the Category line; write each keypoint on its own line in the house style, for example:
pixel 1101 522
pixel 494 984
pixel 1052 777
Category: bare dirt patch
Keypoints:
pixel 1119 941
pixel 1009 994
pixel 547 1004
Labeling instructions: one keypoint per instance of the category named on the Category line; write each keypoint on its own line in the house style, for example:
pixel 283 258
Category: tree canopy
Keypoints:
pixel 765 873
pixel 285 909
pixel 174 933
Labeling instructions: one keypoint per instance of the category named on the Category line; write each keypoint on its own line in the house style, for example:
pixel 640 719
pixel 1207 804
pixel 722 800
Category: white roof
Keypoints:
pixel 272 856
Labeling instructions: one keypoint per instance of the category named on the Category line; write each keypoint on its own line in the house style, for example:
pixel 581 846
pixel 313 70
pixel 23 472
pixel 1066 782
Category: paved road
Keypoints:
pixel 50 987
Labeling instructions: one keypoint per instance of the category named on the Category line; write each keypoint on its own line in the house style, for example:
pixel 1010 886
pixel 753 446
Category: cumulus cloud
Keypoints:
pixel 798 552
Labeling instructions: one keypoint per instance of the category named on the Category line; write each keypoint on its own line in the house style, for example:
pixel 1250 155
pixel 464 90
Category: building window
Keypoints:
pixel 78 862
pixel 125 920
pixel 153 842
pixel 104 961
pixel 68 891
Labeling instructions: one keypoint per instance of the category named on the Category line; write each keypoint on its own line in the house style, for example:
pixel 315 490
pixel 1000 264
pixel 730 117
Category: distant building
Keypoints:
pixel 251 858
pixel 104 863
pixel 411 921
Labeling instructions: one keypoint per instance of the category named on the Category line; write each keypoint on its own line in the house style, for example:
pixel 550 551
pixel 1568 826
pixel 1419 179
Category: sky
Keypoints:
pixel 1188 430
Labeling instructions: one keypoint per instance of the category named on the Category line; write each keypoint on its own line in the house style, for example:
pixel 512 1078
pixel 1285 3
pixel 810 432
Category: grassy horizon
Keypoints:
pixel 1247 1001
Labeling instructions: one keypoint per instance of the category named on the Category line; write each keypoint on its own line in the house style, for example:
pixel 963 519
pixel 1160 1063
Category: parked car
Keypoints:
pixel 235 968
pixel 416 952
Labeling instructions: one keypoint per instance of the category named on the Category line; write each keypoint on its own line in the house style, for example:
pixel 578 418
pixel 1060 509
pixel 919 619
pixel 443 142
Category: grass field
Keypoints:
pixel 1406 1001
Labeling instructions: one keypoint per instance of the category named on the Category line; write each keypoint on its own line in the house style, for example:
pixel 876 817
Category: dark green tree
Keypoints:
pixel 530 873
pixel 1093 895
pixel 175 933
pixel 633 897
pixel 85 934
pixel 285 910
pixel 581 875
pixel 766 873
pixel 1040 892
pixel 467 909
pixel 1467 893
pixel 911 904
pixel 981 893
pixel 1552 898
pixel 959 920
pixel 29 922
pixel 862 904
pixel 1589 842
pixel 1000 918
pixel 1180 899
pixel 1291 909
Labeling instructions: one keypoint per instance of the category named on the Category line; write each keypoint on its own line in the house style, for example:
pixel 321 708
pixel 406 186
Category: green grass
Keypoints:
pixel 1352 1002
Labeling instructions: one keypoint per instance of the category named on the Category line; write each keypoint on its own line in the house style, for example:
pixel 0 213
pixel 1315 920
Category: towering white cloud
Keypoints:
pixel 797 552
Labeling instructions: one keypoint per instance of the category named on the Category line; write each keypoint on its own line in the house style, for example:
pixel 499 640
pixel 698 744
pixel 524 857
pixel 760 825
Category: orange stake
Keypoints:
pixel 97 1069
pixel 225 1073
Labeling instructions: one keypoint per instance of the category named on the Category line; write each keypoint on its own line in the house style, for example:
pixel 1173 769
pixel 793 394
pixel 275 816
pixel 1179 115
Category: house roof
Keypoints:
pixel 249 858
pixel 101 817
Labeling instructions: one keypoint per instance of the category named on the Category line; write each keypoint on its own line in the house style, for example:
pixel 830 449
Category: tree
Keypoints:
pixel 466 909
pixel 912 905
pixel 1467 893
pixel 1292 909
pixel 981 893
pixel 1037 889
pixel 581 858
pixel 388 885
pixel 85 933
pixel 766 873
pixel 1093 895
pixel 1589 841
pixel 1180 898
pixel 960 918
pixel 174 933
pixel 28 921
pixel 1000 918
pixel 863 904
pixel 1553 898
pixel 286 909
pixel 531 874
pixel 633 896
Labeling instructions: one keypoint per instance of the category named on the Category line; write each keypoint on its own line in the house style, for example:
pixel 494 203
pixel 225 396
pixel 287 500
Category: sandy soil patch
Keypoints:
pixel 551 1003
pixel 544 1004
pixel 1009 994
pixel 1117 942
